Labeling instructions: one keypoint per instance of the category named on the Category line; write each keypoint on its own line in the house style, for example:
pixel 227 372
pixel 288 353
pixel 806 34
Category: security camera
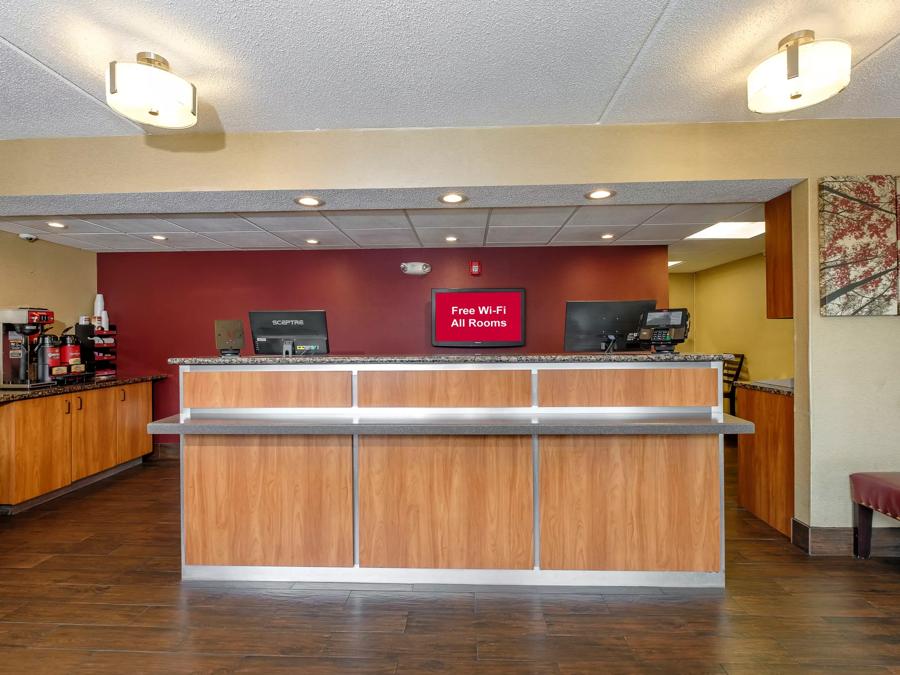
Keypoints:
pixel 28 237
pixel 417 268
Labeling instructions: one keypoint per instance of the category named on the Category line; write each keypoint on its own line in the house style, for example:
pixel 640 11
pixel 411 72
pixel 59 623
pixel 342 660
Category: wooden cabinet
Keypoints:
pixel 134 410
pixel 779 264
pixel 50 442
pixel 41 445
pixel 93 432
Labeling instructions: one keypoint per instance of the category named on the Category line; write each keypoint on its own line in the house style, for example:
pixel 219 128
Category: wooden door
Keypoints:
pixel 134 411
pixel 93 432
pixel 42 441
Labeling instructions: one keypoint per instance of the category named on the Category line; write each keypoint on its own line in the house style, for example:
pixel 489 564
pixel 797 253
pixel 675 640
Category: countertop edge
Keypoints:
pixel 674 357
pixel 767 388
pixel 14 395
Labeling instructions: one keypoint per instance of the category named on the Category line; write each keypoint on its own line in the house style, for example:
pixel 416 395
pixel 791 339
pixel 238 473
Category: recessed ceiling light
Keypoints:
pixel 309 200
pixel 672 263
pixel 451 239
pixel 804 71
pixel 607 236
pixel 600 194
pixel 159 237
pixel 453 198
pixel 312 241
pixel 148 93
pixel 58 226
pixel 729 230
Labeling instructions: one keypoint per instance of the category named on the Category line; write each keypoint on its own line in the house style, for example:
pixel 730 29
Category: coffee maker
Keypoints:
pixel 20 332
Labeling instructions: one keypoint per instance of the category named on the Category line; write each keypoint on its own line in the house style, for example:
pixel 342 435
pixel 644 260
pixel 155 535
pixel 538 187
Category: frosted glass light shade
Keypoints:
pixel 150 94
pixel 823 71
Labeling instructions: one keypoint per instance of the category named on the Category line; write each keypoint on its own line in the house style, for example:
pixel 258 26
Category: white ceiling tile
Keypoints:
pixel 626 242
pixel 37 102
pixel 332 238
pixel 289 221
pixel 649 232
pixel 466 236
pixel 521 235
pixel 112 241
pixel 591 234
pixel 384 237
pixel 187 242
pixel 598 216
pixel 72 225
pixel 696 214
pixel 135 224
pixel 16 228
pixel 449 217
pixel 211 222
pixel 73 241
pixel 553 216
pixel 755 214
pixel 248 240
pixel 368 220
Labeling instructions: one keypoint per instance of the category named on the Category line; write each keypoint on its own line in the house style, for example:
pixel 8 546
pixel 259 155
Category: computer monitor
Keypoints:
pixel 295 333
pixel 604 326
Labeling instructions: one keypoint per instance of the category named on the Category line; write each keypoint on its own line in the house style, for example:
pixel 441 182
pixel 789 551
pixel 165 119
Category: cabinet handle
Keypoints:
pixel 80 403
pixel 121 394
pixel 68 406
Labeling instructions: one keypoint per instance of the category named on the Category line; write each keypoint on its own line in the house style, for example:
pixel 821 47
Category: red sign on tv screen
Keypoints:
pixel 493 317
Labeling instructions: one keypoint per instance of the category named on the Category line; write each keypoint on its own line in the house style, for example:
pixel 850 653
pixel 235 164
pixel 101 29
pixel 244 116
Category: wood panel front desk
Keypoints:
pixel 508 470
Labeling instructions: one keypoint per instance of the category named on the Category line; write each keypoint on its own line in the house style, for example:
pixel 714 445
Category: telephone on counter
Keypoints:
pixel 662 329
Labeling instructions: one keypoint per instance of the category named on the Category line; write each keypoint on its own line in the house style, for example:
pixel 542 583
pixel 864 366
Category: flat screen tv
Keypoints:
pixel 295 333
pixel 604 326
pixel 477 317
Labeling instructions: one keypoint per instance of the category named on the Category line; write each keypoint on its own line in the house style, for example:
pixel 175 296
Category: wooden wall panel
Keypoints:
pixel 629 387
pixel 268 500
pixel 766 458
pixel 267 389
pixel 445 388
pixel 779 262
pixel 630 503
pixel 446 502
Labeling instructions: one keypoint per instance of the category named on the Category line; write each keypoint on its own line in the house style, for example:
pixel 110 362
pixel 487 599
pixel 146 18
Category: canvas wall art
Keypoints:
pixel 858 246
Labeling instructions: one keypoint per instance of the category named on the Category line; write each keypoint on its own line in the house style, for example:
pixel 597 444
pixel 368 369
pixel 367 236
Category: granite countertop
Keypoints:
pixel 11 395
pixel 489 424
pixel 637 357
pixel 768 387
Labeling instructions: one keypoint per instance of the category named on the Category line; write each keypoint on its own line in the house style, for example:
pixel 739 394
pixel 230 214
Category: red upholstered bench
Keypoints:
pixel 872 492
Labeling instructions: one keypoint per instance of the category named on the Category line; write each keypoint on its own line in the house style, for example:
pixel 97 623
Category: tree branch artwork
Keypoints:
pixel 859 272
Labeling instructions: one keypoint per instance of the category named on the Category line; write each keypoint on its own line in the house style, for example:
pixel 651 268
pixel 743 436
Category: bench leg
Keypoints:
pixel 862 532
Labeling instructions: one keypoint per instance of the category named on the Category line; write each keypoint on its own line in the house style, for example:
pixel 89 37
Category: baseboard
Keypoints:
pixel 838 541
pixel 164 451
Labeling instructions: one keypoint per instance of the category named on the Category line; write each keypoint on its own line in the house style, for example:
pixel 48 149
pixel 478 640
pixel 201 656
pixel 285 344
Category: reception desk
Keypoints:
pixel 500 469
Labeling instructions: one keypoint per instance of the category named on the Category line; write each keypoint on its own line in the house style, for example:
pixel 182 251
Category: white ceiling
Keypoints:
pixel 666 224
pixel 263 65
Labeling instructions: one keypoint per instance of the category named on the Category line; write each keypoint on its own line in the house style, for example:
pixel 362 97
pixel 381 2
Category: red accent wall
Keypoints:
pixel 164 304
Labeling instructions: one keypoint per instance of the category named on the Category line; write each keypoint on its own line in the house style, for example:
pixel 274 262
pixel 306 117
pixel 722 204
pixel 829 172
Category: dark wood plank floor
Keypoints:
pixel 90 584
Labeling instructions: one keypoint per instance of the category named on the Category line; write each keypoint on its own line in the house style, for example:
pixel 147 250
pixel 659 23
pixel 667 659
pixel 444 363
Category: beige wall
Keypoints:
pixel 681 294
pixel 42 274
pixel 730 316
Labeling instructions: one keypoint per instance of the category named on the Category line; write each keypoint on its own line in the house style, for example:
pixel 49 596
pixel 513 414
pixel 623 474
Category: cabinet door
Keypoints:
pixel 93 432
pixel 134 411
pixel 42 445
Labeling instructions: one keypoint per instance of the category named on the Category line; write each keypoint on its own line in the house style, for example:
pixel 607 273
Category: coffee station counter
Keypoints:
pixel 10 395
pixel 575 469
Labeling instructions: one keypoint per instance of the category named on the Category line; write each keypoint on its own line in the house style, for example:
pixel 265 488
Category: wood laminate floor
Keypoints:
pixel 89 583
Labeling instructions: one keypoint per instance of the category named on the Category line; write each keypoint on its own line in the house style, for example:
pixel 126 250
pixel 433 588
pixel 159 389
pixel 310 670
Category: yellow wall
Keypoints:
pixel 41 274
pixel 681 294
pixel 729 315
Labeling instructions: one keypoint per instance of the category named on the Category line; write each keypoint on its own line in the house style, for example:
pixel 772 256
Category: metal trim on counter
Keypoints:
pixel 434 424
pixel 384 575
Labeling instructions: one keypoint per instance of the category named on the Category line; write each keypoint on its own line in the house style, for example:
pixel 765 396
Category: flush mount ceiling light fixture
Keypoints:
pixel 451 239
pixel 600 193
pixel 607 236
pixel 312 242
pixel 158 237
pixel 58 226
pixel 309 200
pixel 453 198
pixel 729 230
pixel 672 263
pixel 803 72
pixel 148 93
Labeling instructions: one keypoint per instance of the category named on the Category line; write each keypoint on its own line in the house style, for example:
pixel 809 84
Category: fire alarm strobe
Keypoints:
pixel 475 268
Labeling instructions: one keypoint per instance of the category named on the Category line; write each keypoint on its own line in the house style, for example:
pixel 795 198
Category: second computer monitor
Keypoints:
pixel 595 326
